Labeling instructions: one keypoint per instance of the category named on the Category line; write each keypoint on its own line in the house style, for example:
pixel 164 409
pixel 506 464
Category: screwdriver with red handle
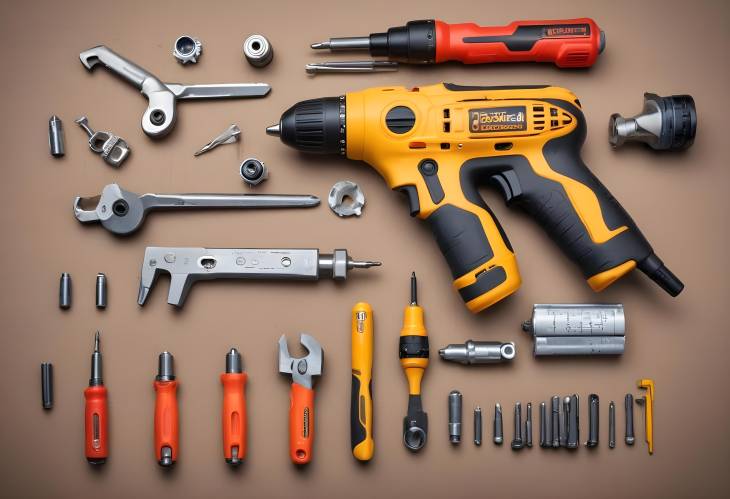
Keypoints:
pixel 569 43
pixel 234 409
pixel 95 411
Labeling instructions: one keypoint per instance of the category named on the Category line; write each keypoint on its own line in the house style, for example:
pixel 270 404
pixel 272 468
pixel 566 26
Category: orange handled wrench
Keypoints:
pixel 95 412
pixel 301 398
pixel 166 417
pixel 234 409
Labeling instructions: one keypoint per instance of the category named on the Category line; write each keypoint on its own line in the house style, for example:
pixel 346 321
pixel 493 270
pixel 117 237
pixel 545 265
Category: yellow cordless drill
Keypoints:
pixel 438 143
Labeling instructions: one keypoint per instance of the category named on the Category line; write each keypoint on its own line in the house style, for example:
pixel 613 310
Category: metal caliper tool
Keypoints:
pixel 159 118
pixel 188 265
pixel 122 212
pixel 301 397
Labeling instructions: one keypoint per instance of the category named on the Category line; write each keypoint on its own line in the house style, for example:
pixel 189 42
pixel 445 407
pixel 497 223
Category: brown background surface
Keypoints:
pixel 679 200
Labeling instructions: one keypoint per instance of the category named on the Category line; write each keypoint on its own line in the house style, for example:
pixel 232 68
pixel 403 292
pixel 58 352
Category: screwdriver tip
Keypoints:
pixel 320 45
pixel 96 342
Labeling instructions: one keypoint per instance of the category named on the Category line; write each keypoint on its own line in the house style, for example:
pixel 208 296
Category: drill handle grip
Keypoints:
pixel 95 422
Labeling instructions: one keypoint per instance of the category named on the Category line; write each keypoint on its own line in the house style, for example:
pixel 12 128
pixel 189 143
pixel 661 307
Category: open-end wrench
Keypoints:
pixel 301 403
pixel 159 118
pixel 122 212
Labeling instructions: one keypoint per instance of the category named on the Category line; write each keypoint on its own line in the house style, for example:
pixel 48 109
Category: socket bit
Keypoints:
pixel 477 425
pixel 543 426
pixel 592 421
pixel 64 291
pixel 101 294
pixel 478 352
pixel 555 421
pixel 47 385
pixel 528 425
pixel 611 425
pixel 629 405
pixel 572 436
pixel 455 417
pixel 55 137
pixel 517 442
pixel 498 435
pixel 564 422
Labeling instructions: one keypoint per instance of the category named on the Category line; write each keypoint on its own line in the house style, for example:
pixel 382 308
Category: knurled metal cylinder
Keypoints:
pixel 455 417
pixel 165 367
pixel 101 291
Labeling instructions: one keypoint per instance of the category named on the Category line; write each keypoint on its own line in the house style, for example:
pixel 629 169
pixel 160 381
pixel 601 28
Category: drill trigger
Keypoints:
pixel 508 182
pixel 412 194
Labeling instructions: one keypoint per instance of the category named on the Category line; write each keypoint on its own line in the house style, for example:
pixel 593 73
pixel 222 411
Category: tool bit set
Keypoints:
pixel 437 145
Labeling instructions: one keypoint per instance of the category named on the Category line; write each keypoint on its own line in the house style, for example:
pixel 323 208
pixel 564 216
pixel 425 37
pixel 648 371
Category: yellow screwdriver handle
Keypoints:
pixel 361 408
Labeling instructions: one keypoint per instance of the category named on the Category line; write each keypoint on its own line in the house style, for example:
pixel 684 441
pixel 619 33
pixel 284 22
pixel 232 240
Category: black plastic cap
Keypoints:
pixel 414 43
pixel 316 125
pixel 679 121
pixel 653 267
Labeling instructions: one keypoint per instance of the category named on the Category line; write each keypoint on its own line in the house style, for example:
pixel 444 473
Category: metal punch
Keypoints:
pixel 160 116
pixel 122 212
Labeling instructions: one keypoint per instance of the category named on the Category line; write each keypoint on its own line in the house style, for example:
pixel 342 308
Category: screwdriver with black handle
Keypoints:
pixel 413 353
pixel 95 411
pixel 569 43
pixel 361 408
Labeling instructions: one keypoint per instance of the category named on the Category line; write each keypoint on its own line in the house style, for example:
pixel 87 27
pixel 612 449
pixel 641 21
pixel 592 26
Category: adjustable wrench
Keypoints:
pixel 159 118
pixel 122 212
pixel 301 397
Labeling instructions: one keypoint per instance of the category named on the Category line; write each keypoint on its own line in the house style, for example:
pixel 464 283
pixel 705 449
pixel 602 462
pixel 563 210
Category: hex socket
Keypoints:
pixel 455 417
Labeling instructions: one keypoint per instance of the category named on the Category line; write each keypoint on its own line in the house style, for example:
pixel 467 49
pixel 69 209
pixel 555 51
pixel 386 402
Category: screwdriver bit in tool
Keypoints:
pixel 498 435
pixel 122 212
pixel 186 266
pixel 351 67
pixel 228 136
pixel 478 352
pixel 95 411
pixel 160 116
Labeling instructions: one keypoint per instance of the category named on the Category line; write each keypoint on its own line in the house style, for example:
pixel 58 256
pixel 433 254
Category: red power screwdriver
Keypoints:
pixel 95 412
pixel 569 43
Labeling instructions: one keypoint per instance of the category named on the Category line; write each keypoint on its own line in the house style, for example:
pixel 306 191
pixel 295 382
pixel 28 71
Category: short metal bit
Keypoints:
pixel 517 442
pixel 528 425
pixel 629 405
pixel 477 425
pixel 351 67
pixel 544 439
pixel 611 425
pixel 555 420
pixel 498 434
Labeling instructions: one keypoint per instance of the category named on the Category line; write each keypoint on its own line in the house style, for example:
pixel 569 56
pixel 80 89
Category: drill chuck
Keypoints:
pixel 316 125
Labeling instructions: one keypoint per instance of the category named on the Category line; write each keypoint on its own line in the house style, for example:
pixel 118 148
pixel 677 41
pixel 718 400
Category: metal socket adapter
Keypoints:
pixel 258 50
pixel 478 352
pixel 253 171
pixel 187 49
pixel 665 124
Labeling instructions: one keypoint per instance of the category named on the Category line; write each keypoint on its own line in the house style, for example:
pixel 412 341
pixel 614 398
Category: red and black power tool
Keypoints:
pixel 569 43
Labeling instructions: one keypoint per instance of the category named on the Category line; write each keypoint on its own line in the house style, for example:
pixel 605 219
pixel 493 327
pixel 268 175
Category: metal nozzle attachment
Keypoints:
pixel 165 367
pixel 665 123
pixel 478 352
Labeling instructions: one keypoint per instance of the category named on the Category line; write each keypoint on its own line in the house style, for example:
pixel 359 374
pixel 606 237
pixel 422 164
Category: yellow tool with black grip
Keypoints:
pixel 361 408
pixel 413 353
pixel 439 143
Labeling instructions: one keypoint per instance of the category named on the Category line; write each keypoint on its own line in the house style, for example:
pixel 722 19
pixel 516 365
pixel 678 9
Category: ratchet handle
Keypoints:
pixel 166 422
pixel 95 422
pixel 234 416
pixel 569 43
pixel 301 423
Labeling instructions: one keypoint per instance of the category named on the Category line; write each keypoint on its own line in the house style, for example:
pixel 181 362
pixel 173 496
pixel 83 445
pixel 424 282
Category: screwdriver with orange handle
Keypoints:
pixel 361 406
pixel 569 43
pixel 166 412
pixel 234 409
pixel 95 411
pixel 413 353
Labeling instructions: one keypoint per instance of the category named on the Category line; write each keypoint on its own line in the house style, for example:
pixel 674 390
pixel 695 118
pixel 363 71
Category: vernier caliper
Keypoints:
pixel 188 265
pixel 159 118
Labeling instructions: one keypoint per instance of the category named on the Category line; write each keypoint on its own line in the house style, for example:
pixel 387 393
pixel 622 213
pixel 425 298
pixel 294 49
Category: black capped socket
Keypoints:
pixel 253 171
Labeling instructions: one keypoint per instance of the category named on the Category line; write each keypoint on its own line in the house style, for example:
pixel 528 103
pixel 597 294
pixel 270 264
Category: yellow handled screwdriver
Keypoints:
pixel 361 408
pixel 413 353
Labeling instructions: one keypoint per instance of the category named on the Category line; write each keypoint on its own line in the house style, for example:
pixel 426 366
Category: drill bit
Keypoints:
pixel 228 136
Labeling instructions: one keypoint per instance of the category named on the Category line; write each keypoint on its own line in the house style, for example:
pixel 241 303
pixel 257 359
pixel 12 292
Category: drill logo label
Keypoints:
pixel 497 119
pixel 561 30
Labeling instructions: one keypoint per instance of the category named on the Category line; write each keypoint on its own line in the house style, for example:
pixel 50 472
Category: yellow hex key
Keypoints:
pixel 648 385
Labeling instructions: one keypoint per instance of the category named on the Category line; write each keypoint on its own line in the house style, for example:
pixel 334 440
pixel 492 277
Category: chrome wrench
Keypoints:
pixel 122 212
pixel 159 118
